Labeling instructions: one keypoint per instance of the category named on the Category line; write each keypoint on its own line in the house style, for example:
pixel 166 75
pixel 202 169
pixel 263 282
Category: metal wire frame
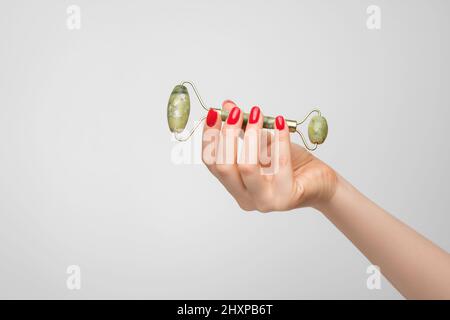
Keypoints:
pixel 191 132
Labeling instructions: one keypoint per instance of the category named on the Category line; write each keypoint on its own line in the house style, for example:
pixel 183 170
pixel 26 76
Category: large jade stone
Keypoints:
pixel 178 109
pixel 317 129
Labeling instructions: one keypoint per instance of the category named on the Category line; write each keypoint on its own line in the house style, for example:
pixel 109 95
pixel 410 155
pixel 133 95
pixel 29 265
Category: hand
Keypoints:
pixel 272 174
pixel 414 265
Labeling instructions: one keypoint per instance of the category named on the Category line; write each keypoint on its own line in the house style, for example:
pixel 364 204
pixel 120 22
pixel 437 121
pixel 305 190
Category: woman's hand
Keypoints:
pixel 270 173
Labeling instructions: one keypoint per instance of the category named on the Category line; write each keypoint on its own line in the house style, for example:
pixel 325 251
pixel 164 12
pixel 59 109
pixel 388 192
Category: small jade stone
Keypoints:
pixel 178 108
pixel 317 129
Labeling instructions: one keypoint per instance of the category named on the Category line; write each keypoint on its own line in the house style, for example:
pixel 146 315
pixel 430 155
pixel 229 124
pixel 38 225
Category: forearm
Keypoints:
pixel 414 265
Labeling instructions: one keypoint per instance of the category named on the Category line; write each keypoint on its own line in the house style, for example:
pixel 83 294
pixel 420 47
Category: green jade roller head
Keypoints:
pixel 179 107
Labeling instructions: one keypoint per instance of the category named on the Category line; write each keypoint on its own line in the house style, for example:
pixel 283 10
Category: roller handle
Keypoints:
pixel 269 122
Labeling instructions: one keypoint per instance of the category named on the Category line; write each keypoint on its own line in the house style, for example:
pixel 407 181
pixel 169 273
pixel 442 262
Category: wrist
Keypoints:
pixel 340 188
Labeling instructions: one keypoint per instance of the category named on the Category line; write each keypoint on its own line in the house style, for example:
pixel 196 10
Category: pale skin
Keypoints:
pixel 415 266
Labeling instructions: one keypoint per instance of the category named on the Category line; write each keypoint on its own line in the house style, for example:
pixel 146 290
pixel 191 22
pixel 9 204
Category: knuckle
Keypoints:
pixel 264 207
pixel 223 169
pixel 246 207
pixel 281 204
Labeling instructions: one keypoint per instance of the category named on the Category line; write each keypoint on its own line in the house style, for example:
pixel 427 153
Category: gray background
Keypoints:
pixel 86 175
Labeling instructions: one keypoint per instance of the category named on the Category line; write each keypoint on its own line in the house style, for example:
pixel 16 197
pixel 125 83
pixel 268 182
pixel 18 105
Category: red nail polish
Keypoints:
pixel 233 117
pixel 254 115
pixel 211 118
pixel 279 122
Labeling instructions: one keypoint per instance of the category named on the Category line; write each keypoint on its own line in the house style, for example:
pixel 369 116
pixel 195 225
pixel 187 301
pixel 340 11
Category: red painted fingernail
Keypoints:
pixel 279 122
pixel 233 117
pixel 254 115
pixel 211 118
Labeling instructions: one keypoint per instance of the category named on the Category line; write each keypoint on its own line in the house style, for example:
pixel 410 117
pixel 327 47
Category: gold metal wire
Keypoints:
pixel 181 139
pixel 191 132
pixel 307 146
pixel 197 94
pixel 307 116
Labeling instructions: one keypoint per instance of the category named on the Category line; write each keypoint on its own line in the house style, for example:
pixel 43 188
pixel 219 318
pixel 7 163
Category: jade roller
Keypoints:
pixel 179 107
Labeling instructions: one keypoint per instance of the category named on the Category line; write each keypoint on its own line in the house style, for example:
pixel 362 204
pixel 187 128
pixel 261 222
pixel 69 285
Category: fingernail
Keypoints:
pixel 233 117
pixel 254 115
pixel 211 118
pixel 228 101
pixel 279 122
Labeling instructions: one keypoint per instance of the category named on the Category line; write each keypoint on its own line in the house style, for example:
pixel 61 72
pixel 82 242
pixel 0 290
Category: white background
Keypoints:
pixel 86 172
